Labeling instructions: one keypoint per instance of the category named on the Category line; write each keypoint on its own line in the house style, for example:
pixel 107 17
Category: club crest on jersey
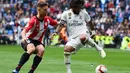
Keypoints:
pixel 69 14
pixel 80 17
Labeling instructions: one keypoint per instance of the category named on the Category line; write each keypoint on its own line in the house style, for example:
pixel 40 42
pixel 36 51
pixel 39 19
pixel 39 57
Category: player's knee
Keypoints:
pixel 32 49
pixel 83 37
pixel 40 52
pixel 69 49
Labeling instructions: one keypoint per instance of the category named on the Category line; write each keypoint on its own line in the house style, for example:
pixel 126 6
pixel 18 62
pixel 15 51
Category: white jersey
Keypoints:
pixel 76 24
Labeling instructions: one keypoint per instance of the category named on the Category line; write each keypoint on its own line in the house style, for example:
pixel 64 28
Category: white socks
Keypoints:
pixel 67 60
pixel 98 48
pixel 91 41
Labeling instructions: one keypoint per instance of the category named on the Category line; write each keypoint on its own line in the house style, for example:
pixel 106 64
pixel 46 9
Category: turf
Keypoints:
pixel 117 61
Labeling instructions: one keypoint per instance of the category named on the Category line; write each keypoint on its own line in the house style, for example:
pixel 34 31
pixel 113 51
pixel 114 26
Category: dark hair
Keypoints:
pixel 77 3
pixel 41 4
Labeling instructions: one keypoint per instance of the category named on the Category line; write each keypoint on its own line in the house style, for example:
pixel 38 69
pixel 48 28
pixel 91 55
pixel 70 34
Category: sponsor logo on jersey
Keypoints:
pixel 75 23
pixel 80 17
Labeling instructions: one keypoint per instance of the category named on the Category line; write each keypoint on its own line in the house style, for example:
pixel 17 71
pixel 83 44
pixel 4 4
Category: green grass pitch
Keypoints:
pixel 117 61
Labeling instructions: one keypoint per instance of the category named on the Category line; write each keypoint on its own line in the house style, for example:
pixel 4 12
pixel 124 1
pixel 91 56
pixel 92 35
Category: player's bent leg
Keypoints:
pixel 87 40
pixel 24 58
pixel 37 59
pixel 98 48
pixel 67 59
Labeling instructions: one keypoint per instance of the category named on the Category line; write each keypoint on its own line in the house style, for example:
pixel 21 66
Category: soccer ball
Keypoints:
pixel 101 69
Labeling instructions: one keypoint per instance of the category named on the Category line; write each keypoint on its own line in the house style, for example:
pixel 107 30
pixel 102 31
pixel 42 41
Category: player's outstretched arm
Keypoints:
pixel 91 25
pixel 91 28
pixel 59 27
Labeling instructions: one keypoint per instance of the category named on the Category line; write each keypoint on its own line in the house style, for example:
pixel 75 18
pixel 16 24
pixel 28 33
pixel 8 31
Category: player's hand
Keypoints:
pixel 23 39
pixel 93 33
pixel 55 33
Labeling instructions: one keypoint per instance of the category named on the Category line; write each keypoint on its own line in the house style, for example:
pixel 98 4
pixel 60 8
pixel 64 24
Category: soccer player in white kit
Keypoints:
pixel 78 33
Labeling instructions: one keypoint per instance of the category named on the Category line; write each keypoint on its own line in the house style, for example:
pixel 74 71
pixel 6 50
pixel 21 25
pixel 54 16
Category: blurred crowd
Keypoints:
pixel 110 17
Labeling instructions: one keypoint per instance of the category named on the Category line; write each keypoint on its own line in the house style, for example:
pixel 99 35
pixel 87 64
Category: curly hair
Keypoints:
pixel 77 3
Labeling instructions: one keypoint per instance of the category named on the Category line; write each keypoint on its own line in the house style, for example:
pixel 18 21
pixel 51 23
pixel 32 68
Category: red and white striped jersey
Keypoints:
pixel 36 28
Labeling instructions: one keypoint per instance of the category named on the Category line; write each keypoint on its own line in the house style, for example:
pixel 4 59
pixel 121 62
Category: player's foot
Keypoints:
pixel 102 53
pixel 15 71
pixel 69 71
pixel 31 71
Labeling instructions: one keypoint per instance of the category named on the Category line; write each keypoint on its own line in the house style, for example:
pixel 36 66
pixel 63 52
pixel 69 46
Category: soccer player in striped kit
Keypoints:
pixel 32 37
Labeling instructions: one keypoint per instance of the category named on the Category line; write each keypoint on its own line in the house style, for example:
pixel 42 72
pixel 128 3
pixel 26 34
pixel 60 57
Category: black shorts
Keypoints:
pixel 28 41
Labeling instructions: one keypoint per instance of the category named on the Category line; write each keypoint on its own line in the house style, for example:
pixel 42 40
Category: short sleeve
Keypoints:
pixel 52 22
pixel 30 25
pixel 63 18
pixel 87 16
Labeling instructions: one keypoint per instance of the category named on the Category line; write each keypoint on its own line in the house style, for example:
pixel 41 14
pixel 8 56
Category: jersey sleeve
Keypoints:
pixel 63 18
pixel 52 22
pixel 87 16
pixel 30 25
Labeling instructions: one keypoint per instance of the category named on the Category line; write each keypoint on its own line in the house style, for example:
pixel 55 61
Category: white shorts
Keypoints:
pixel 75 43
